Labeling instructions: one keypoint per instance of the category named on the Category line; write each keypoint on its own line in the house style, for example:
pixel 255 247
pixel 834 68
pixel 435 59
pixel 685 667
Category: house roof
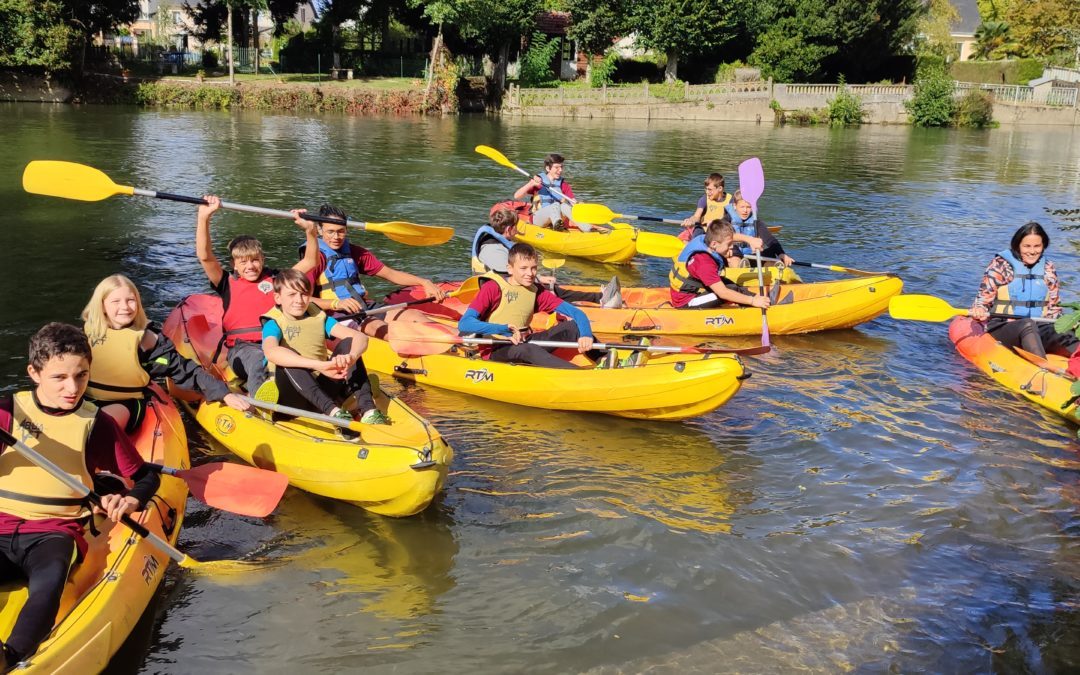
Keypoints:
pixel 969 17
pixel 553 22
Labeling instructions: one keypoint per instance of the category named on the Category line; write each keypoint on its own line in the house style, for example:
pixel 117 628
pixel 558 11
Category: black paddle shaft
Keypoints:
pixel 253 209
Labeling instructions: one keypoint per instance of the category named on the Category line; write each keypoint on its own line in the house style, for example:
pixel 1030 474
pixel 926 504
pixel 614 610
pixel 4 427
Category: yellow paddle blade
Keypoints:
pixel 914 307
pixel 70 181
pixel 553 263
pixel 594 214
pixel 413 234
pixel 467 290
pixel 228 566
pixel 659 245
pixel 492 153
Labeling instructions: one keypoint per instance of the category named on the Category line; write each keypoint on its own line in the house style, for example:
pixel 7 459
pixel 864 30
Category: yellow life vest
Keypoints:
pixel 305 336
pixel 28 491
pixel 115 371
pixel 516 305
pixel 714 210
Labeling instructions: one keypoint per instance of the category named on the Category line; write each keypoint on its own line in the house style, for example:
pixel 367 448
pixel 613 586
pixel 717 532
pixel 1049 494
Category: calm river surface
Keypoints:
pixel 868 501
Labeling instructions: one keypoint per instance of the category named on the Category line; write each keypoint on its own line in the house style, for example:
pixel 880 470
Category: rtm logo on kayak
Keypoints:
pixel 482 375
pixel 720 320
pixel 150 567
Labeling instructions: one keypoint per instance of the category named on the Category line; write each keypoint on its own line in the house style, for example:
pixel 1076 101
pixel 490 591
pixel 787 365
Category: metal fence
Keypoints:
pixel 1065 97
pixel 636 94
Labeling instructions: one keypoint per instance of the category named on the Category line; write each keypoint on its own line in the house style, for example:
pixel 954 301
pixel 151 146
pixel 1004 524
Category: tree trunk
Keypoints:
pixel 231 67
pixel 501 66
pixel 433 62
pixel 255 36
pixel 671 69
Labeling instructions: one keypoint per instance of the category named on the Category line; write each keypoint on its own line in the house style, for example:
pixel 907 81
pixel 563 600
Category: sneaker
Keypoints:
pixel 635 357
pixel 611 294
pixel 608 361
pixel 787 299
pixel 374 416
pixel 346 434
pixel 267 392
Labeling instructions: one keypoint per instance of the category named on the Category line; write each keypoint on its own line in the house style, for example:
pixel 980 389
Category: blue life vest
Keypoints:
pixel 1027 293
pixel 680 278
pixel 746 228
pixel 485 232
pixel 544 195
pixel 341 278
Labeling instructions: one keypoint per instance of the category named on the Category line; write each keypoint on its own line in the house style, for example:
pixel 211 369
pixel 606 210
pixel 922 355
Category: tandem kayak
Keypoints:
pixel 394 469
pixel 826 305
pixel 107 592
pixel 668 387
pixel 1033 381
pixel 615 246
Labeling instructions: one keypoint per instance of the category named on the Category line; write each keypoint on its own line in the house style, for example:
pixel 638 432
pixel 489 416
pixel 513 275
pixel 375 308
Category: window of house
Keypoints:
pixel 177 19
pixel 303 15
pixel 958 49
pixel 567 49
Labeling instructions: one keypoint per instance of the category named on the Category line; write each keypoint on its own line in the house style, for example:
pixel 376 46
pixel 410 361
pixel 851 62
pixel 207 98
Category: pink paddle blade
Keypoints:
pixel 751 181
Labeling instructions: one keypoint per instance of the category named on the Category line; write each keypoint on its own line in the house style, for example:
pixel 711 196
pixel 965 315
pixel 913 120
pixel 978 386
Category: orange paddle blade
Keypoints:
pixel 242 489
pixel 409 338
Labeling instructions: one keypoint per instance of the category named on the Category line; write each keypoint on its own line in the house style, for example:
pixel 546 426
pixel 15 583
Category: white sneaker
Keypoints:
pixel 611 294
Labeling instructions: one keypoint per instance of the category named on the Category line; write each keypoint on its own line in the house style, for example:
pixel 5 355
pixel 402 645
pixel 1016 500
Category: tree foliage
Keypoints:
pixel 34 34
pixel 932 105
pixel 597 24
pixel 935 29
pixel 993 41
pixel 682 28
pixel 1044 27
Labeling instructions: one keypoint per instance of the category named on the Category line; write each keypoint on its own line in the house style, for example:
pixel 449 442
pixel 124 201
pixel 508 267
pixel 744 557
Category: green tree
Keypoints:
pixel 992 41
pixel 1045 27
pixel 87 19
pixel 33 33
pixel 932 105
pixel 597 24
pixel 682 28
pixel 935 29
pixel 993 10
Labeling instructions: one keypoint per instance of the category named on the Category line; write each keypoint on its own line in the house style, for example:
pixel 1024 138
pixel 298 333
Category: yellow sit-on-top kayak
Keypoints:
pixel 394 469
pixel 614 246
pixel 668 387
pixel 801 308
pixel 108 591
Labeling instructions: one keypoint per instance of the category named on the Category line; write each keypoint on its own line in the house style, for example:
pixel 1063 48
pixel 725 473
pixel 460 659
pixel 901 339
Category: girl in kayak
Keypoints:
pixel 1023 284
pixel 127 354
pixel 306 373
pixel 696 276
pixel 710 207
pixel 549 208
pixel 751 234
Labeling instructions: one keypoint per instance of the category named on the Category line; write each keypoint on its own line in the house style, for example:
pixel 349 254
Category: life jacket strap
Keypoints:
pixel 45 501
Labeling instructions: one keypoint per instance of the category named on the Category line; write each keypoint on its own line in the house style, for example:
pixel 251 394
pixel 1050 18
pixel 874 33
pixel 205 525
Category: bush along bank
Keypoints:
pixel 267 96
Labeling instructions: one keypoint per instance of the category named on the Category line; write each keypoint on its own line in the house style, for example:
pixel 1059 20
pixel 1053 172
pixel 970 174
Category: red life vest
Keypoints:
pixel 248 301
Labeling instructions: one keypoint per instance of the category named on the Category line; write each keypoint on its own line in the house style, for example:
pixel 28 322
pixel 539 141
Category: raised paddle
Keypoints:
pixel 552 264
pixel 916 307
pixel 428 339
pixel 181 559
pixel 751 181
pixel 85 183
pixel 237 488
pixel 598 214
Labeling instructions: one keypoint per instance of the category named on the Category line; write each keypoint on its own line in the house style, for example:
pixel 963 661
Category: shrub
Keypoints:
pixel 536 61
pixel 603 71
pixel 932 105
pixel 846 109
pixel 975 109
pixel 209 59
pixel 726 71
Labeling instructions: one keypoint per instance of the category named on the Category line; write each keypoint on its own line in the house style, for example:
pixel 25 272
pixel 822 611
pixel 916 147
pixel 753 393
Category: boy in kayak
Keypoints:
pixel 246 292
pixel 711 206
pixel 550 209
pixel 751 234
pixel 491 249
pixel 336 276
pixel 505 306
pixel 696 277
pixel 42 520
pixel 306 373
pixel 127 354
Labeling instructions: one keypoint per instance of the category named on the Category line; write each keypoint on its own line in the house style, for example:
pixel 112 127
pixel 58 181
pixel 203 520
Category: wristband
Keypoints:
pixel 335 304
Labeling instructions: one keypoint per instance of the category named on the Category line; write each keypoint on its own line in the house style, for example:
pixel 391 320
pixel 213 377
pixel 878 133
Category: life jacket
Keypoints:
pixel 306 336
pixel 483 234
pixel 247 302
pixel 516 305
pixel 523 209
pixel 544 196
pixel 680 278
pixel 115 371
pixel 715 210
pixel 746 227
pixel 1027 293
pixel 341 278
pixel 28 491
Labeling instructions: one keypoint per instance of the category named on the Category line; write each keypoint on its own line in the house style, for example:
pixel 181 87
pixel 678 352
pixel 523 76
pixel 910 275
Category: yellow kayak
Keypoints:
pixel 825 305
pixel 614 246
pixel 109 590
pixel 393 469
pixel 668 387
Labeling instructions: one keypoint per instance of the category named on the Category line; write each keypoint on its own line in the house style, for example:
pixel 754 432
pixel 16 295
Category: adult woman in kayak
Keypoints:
pixel 1022 283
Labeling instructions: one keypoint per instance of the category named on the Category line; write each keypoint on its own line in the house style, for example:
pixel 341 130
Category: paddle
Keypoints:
pixel 752 184
pixel 598 214
pixel 831 268
pixel 552 264
pixel 76 486
pixel 238 488
pixel 761 291
pixel 85 183
pixel 429 339
pixel 659 245
pixel 1044 363
pixel 916 307
pixel 468 288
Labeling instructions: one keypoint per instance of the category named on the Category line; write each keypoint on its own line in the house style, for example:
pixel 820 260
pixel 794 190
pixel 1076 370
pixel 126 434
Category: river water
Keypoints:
pixel 868 501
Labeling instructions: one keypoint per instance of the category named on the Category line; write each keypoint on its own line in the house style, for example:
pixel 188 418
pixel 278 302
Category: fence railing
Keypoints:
pixel 1062 96
pixel 636 94
pixel 857 89
pixel 1063 74
pixel 1065 97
